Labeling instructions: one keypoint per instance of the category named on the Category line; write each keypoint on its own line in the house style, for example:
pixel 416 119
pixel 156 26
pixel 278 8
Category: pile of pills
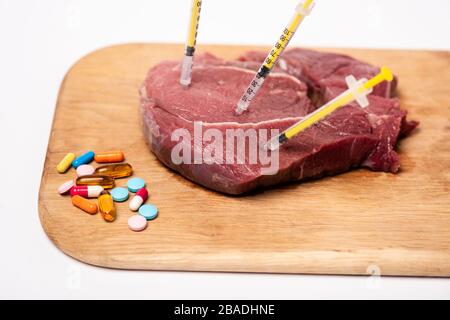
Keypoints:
pixel 93 182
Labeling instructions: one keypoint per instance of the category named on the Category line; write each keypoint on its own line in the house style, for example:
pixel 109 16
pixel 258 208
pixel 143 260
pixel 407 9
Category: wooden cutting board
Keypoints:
pixel 355 223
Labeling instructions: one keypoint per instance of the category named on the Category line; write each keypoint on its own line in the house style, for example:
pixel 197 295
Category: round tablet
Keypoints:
pixel 66 186
pixel 85 170
pixel 137 223
pixel 135 184
pixel 119 194
pixel 148 211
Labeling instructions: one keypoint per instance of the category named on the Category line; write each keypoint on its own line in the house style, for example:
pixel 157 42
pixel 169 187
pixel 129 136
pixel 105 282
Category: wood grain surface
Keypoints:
pixel 356 223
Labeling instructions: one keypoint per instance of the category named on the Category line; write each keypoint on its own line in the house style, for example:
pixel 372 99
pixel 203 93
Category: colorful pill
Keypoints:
pixel 109 157
pixel 135 184
pixel 106 206
pixel 148 211
pixel 116 171
pixel 96 180
pixel 84 204
pixel 86 191
pixel 85 170
pixel 120 194
pixel 83 159
pixel 65 163
pixel 66 187
pixel 137 223
pixel 137 201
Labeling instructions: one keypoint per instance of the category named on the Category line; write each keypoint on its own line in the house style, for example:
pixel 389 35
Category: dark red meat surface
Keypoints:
pixel 349 138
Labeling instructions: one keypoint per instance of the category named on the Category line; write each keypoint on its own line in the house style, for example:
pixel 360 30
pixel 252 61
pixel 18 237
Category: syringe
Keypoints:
pixel 358 90
pixel 302 10
pixel 188 60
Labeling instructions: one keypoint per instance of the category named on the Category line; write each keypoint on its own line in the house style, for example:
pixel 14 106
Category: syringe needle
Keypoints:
pixel 188 59
pixel 302 10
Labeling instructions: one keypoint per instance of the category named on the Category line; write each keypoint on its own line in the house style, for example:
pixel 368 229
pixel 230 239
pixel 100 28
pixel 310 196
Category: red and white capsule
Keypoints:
pixel 86 191
pixel 137 201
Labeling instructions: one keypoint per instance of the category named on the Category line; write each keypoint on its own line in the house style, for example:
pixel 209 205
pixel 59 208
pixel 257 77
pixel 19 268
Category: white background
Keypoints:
pixel 41 39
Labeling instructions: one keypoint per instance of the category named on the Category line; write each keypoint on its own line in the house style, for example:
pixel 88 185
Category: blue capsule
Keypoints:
pixel 83 159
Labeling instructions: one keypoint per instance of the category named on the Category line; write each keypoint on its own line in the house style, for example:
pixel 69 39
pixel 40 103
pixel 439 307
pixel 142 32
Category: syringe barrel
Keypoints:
pixel 277 50
pixel 275 143
pixel 250 93
pixel 188 60
pixel 287 35
pixel 193 23
pixel 186 70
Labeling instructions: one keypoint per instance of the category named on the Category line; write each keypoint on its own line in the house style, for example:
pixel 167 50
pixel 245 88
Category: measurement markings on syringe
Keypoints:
pixel 268 65
pixel 302 10
pixel 279 48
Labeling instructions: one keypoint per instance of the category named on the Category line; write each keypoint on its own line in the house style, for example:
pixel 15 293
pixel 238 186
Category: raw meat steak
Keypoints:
pixel 348 138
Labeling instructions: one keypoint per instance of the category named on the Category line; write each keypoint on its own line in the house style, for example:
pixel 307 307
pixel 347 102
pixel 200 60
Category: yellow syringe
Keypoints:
pixel 188 60
pixel 302 10
pixel 358 90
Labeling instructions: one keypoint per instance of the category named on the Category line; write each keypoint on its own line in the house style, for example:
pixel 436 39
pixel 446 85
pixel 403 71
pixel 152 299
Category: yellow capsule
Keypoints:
pixel 106 206
pixel 116 171
pixel 95 180
pixel 65 163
